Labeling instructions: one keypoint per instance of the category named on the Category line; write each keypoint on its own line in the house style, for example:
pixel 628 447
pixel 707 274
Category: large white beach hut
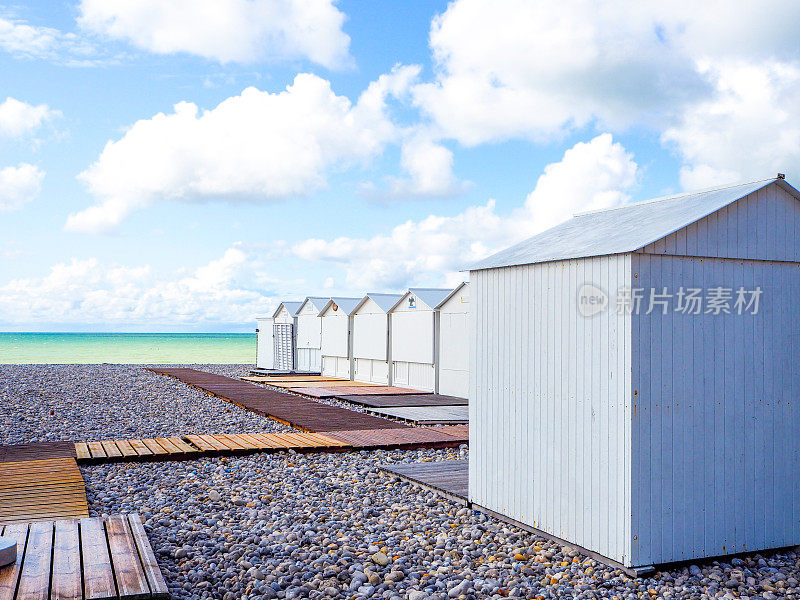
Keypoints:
pixel 634 388
pixel 414 337
pixel 265 349
pixel 371 338
pixel 453 345
pixel 337 326
pixel 284 331
pixel 309 334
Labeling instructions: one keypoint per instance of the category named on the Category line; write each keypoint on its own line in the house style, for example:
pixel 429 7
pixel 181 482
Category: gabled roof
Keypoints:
pixel 384 301
pixel 348 305
pixel 292 307
pixel 430 296
pixel 624 229
pixel 318 302
pixel 452 293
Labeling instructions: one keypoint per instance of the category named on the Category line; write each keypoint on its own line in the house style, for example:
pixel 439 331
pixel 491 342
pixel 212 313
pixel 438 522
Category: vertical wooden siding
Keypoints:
pixel 716 454
pixel 550 407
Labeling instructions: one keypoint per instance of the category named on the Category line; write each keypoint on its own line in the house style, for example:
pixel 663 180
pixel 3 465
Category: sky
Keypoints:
pixel 185 165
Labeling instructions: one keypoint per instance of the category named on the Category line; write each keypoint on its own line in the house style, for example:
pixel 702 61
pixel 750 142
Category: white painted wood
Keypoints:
pixel 371 371
pixel 454 346
pixel 549 408
pixel 265 350
pixel 412 336
pixel 419 376
pixel 647 438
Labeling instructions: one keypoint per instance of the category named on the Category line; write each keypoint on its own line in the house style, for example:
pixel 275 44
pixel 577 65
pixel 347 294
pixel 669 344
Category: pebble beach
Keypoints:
pixel 293 526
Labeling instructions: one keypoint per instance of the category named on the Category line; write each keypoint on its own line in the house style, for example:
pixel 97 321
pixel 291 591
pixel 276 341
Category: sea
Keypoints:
pixel 127 348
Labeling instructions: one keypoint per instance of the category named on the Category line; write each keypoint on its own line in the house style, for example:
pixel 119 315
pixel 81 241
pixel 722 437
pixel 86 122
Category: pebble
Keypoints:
pixel 95 402
pixel 316 526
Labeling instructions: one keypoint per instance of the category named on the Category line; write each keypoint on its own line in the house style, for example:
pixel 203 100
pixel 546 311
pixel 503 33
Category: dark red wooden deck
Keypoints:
pixel 293 410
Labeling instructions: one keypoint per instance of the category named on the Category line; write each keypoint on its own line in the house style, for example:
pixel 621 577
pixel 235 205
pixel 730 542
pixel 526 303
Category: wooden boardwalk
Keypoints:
pixel 404 400
pixel 448 477
pixel 91 558
pixel 427 415
pixel 194 446
pixel 36 450
pixel 354 390
pixel 36 490
pixel 298 412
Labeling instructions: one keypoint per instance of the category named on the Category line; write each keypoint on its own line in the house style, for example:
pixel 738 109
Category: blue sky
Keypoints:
pixel 343 147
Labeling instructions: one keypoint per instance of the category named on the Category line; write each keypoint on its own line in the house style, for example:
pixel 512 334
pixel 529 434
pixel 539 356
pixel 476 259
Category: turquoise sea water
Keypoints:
pixel 122 348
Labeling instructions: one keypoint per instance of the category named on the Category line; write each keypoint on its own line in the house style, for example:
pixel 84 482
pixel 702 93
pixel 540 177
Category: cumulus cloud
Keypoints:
pixel 19 185
pixel 429 165
pixel 86 291
pixel 225 30
pixel 748 129
pixel 257 146
pixel 595 174
pixel 614 64
pixel 19 118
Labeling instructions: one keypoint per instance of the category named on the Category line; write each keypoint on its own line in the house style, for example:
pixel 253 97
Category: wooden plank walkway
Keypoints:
pixel 448 477
pixel 427 415
pixel 92 558
pixel 36 450
pixel 193 446
pixel 37 490
pixel 354 390
pixel 405 400
pixel 295 411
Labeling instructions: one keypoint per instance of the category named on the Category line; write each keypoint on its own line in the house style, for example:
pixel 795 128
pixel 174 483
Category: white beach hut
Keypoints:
pixel 265 349
pixel 634 388
pixel 337 326
pixel 371 338
pixel 454 343
pixel 284 330
pixel 309 334
pixel 414 337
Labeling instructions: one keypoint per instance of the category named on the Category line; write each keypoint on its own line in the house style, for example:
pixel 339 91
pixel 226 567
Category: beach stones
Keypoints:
pixel 8 551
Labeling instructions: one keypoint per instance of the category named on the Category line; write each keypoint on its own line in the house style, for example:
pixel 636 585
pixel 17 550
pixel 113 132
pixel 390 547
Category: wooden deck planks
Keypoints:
pixel 67 582
pixel 34 579
pixel 299 412
pixel 98 576
pixel 378 401
pixel 9 575
pixel 128 571
pixel 155 580
pixel 427 415
pixel 65 559
pixel 449 476
pixel 37 490
pixel 354 439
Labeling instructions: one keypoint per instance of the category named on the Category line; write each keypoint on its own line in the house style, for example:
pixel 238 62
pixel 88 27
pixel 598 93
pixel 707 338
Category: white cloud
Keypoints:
pixel 46 43
pixel 18 118
pixel 90 291
pixel 749 129
pixel 19 185
pixel 429 165
pixel 225 30
pixel 257 146
pixel 619 64
pixel 594 174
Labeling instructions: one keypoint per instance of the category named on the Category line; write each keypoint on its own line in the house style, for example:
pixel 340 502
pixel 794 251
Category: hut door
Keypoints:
pixel 283 337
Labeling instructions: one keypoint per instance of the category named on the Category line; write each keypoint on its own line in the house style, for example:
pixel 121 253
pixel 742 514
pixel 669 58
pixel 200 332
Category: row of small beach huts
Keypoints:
pixel 419 339
pixel 632 380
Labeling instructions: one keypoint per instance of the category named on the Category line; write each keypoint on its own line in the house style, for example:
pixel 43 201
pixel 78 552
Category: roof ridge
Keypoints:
pixel 718 188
